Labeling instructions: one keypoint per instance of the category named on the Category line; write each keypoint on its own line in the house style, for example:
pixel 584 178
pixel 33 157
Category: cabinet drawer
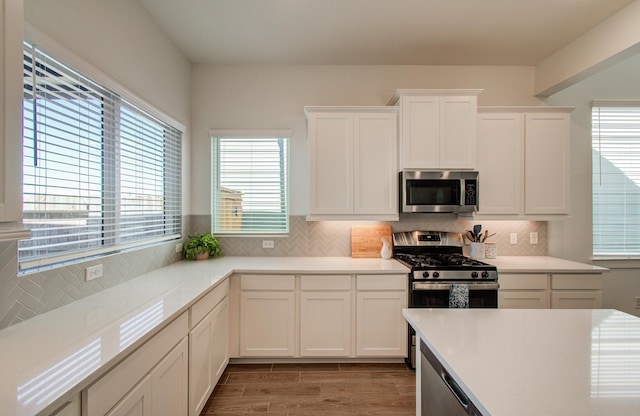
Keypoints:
pixel 576 281
pixel 382 282
pixel 106 392
pixel 523 281
pixel 576 299
pixel 206 304
pixel 267 282
pixel 325 282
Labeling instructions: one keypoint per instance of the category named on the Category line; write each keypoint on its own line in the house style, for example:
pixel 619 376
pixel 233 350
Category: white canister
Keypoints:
pixel 490 250
pixel 476 251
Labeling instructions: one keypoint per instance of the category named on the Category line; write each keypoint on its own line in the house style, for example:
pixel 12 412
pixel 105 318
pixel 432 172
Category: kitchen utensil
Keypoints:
pixel 470 236
pixel 477 229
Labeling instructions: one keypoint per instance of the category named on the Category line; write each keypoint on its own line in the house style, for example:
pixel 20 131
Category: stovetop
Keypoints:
pixel 438 255
pixel 439 261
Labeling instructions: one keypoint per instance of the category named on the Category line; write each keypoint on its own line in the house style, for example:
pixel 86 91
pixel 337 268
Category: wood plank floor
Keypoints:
pixel 314 390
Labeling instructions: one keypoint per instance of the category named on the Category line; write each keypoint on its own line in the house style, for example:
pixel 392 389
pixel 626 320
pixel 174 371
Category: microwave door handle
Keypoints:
pixel 462 192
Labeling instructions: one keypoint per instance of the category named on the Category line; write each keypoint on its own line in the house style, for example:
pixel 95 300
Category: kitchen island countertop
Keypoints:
pixel 538 362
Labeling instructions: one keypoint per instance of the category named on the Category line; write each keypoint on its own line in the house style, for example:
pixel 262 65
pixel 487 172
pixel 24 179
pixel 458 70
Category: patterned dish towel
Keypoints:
pixel 459 296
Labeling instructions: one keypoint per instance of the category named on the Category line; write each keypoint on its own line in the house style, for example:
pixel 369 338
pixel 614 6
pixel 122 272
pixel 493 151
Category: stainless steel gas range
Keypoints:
pixel 437 262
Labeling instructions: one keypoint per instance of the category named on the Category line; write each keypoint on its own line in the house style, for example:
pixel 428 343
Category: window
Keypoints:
pixel 250 182
pixel 616 179
pixel 99 173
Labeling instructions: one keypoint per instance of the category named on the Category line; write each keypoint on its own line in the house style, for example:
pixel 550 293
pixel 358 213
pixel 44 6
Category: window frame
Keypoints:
pixel 596 169
pixel 139 106
pixel 249 134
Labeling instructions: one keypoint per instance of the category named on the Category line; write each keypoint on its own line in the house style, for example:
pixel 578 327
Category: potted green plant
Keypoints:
pixel 201 247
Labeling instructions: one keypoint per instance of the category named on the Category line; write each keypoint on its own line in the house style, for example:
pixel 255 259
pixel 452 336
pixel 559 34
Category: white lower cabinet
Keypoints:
pixel 523 291
pixel 325 316
pixel 381 329
pixel 544 291
pixel 208 355
pixel 72 408
pixel 161 393
pixel 267 311
pixel 576 291
pixel 523 299
pixel 136 403
pixel 152 380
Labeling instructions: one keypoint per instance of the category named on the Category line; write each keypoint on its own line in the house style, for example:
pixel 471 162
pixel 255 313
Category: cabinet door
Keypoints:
pixel 331 163
pixel 267 324
pixel 578 299
pixel 325 324
pixel 375 163
pixel 201 382
pixel 169 383
pixel 381 329
pixel 208 355
pixel 220 343
pixel 547 143
pixel 500 163
pixel 136 403
pixel 515 299
pixel 420 132
pixel 458 132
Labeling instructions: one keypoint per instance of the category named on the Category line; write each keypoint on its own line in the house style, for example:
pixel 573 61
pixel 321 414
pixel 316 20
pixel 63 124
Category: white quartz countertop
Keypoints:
pixel 538 362
pixel 47 358
pixel 541 264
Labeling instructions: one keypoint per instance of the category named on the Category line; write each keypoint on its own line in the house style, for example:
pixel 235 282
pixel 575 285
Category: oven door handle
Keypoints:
pixel 447 286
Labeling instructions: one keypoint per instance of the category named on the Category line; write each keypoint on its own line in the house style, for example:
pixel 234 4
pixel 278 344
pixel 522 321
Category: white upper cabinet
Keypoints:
pixel 500 163
pixel 523 161
pixel 547 170
pixel 11 36
pixel 437 128
pixel 352 163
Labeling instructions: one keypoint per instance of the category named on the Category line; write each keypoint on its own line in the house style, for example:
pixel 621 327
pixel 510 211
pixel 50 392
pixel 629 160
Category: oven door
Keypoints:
pixel 436 295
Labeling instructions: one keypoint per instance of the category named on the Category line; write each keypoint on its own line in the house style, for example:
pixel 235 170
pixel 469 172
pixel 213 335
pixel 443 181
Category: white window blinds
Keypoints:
pixel 99 174
pixel 250 183
pixel 616 179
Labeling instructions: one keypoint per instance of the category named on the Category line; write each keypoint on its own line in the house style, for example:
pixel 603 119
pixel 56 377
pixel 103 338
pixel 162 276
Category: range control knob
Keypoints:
pixel 425 274
pixel 436 275
pixel 474 275
pixel 485 275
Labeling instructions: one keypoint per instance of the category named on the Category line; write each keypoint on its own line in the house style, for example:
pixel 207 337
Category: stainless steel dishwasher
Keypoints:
pixel 440 394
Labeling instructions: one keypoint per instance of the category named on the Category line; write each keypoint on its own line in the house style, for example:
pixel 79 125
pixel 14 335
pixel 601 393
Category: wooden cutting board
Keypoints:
pixel 365 240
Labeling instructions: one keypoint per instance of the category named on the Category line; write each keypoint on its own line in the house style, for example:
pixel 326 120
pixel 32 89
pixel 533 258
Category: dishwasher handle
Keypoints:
pixel 462 398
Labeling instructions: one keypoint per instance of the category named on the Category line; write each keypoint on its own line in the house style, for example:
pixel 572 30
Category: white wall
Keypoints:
pixel 270 97
pixel 120 39
pixel 572 239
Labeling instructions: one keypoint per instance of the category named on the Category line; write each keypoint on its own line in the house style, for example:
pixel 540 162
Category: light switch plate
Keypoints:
pixel 267 244
pixel 533 237
pixel 513 238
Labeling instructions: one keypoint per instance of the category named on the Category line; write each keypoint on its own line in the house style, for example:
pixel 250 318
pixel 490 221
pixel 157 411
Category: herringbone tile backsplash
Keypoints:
pixel 333 238
pixel 22 297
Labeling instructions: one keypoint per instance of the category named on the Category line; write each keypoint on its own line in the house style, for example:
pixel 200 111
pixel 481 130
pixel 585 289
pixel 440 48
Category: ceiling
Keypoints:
pixel 376 32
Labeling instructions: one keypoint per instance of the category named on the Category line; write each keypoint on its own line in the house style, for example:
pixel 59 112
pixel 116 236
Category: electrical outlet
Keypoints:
pixel 93 272
pixel 179 248
pixel 267 244
pixel 637 302
pixel 513 238
pixel 533 238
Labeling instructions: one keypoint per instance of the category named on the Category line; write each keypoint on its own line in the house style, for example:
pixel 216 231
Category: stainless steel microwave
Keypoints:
pixel 438 191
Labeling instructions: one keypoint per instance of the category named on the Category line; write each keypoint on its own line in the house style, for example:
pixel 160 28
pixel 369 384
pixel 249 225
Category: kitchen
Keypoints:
pixel 205 96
